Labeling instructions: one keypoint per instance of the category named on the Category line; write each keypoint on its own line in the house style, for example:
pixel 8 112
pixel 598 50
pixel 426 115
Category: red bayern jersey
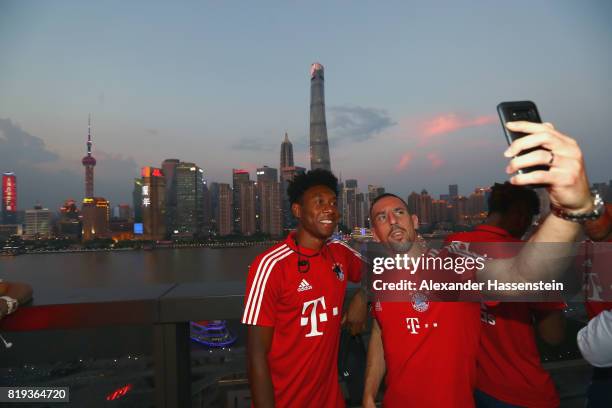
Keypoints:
pixel 430 347
pixel 305 310
pixel 509 366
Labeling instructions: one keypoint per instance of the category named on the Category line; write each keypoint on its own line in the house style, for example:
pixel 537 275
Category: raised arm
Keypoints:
pixel 568 189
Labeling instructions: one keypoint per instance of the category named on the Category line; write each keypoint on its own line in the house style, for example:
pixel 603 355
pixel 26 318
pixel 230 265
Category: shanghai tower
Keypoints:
pixel 319 148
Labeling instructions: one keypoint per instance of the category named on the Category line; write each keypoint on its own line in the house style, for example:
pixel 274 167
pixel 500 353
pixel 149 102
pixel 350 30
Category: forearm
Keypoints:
pixel 547 255
pixel 375 368
pixel 260 381
pixel 259 342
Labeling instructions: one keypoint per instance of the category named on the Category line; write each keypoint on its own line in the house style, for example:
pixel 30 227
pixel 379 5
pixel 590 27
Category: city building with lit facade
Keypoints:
pixel 9 199
pixel 69 224
pixel 247 208
pixel 225 210
pixel 239 177
pixel 189 185
pixel 153 203
pixel 38 223
pixel 269 214
pixel 95 214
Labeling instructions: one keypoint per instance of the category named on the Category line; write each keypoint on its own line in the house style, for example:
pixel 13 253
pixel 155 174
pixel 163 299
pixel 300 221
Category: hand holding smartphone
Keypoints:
pixel 519 111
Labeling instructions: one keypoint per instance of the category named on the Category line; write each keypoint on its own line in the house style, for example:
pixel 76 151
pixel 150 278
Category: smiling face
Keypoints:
pixel 392 225
pixel 317 212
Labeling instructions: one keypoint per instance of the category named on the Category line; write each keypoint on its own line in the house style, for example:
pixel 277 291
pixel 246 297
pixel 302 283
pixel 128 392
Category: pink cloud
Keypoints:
pixel 404 161
pixel 435 160
pixel 448 123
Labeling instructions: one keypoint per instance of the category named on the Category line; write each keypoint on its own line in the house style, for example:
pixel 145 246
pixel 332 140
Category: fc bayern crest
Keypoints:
pixel 419 302
pixel 337 268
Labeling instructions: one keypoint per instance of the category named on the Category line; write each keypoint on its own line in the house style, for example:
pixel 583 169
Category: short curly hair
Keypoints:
pixel 303 181
pixel 504 197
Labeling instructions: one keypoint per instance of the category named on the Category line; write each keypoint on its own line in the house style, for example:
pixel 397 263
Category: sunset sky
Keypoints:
pixel 411 88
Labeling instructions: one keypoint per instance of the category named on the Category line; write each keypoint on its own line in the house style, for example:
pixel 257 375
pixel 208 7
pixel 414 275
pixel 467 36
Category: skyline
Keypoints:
pixel 404 84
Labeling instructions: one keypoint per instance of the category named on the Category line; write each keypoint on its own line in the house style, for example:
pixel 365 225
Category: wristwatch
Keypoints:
pixel 11 303
pixel 598 210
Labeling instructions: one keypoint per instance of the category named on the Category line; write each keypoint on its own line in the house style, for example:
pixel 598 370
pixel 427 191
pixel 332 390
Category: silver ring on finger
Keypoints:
pixel 552 158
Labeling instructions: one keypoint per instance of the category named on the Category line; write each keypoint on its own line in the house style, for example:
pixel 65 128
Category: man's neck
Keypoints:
pixel 307 240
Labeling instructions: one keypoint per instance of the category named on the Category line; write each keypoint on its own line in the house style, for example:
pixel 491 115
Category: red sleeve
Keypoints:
pixel 263 289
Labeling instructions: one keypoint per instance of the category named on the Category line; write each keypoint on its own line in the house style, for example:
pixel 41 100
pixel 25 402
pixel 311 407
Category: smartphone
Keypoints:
pixel 519 110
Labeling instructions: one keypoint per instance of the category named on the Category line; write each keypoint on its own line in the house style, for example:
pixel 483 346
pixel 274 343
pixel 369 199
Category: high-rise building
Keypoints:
pixel 439 211
pixel 239 177
pixel 421 206
pixel 207 216
pixel 137 200
pixel 319 146
pixel 247 208
pixel 38 223
pixel 214 206
pixel 153 203
pixel 9 198
pixel 168 168
pixel 225 210
pixel 287 174
pixel 453 190
pixel 89 162
pixel 69 224
pixel 96 218
pixel 373 192
pixel 189 219
pixel 348 204
pixel 269 214
pixel 286 153
pixel 360 210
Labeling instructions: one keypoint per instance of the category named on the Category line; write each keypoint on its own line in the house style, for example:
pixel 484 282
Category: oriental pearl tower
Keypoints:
pixel 89 163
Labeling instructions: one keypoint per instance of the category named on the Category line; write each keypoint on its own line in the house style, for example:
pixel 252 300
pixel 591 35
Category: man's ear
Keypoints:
pixel 375 235
pixel 415 222
pixel 296 210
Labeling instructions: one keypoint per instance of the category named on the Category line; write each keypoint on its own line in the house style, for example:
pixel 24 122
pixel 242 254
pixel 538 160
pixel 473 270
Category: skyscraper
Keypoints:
pixel 89 163
pixel 239 177
pixel 153 203
pixel 225 210
pixel 38 222
pixel 319 147
pixel 137 200
pixel 247 208
pixel 286 153
pixel 9 198
pixel 168 168
pixel 269 206
pixel 453 190
pixel 96 217
pixel 189 184
pixel 287 174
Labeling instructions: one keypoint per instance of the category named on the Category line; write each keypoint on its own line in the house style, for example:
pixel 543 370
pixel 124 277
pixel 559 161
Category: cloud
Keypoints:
pixel 253 145
pixel 152 132
pixel 43 176
pixel 435 160
pixel 18 146
pixel 404 161
pixel 356 122
pixel 448 123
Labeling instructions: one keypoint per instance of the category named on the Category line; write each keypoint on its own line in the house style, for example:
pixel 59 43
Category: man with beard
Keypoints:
pixel 293 305
pixel 428 349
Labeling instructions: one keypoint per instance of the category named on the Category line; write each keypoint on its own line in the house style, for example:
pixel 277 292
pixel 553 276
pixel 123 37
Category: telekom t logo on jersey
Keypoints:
pixel 315 316
pixel 412 324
